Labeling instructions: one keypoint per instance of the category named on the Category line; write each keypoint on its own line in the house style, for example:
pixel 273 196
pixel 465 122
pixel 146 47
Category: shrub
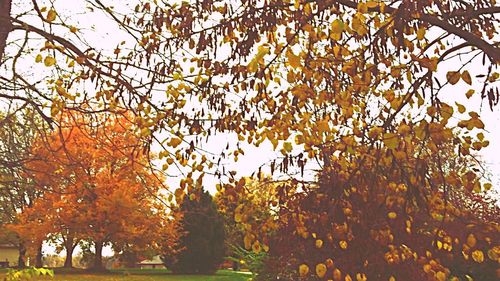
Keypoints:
pixel 28 274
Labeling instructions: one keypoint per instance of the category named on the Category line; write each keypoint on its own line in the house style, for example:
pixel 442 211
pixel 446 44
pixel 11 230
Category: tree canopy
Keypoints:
pixel 97 185
pixel 363 92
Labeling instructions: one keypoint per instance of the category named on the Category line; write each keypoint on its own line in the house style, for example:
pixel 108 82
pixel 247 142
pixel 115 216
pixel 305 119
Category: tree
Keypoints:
pixel 379 229
pixel 254 199
pixel 200 248
pixel 99 186
pixel 19 127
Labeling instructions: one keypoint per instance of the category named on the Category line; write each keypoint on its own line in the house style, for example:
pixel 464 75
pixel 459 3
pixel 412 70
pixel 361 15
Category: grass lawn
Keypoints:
pixel 144 275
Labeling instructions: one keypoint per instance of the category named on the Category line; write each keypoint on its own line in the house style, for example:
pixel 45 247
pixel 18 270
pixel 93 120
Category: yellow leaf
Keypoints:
pixel 321 270
pixel 392 215
pixel 54 109
pixel 391 140
pixel 262 50
pixel 319 243
pixel 287 146
pixel 336 50
pixel 174 142
pixel 73 29
pixel 145 132
pixel 466 77
pixel 471 240
pixel 371 4
pixel 265 247
pixel 382 7
pixel 256 248
pixel 38 58
pixel 478 256
pixel 404 129
pixel 343 244
pixel 460 107
pixel 51 15
pixel 361 277
pixel 494 253
pixel 430 63
pixel 441 276
pixel 421 33
pixel 337 274
pixel 303 270
pixel 480 136
pixel 293 60
pixel 362 7
pixel 253 65
pixel 469 93
pixel 337 26
pixel 375 132
pixel 453 77
pixel 61 91
pixel 237 217
pixel 476 122
pixel 177 76
pixel 49 61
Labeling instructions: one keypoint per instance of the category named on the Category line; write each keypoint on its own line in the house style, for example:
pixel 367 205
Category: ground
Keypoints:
pixel 145 275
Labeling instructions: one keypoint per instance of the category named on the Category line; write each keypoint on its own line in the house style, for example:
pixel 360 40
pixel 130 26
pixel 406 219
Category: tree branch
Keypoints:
pixel 490 50
pixel 5 25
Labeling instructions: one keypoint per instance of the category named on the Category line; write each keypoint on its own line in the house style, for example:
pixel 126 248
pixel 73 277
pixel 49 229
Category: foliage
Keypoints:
pixel 201 244
pixel 18 130
pixel 256 200
pixel 359 88
pixel 251 260
pixel 101 187
pixel 28 274
pixel 377 225
pixel 145 275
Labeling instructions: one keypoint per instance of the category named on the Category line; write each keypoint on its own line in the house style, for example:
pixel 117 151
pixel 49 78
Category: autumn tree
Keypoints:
pixel 255 202
pixel 98 185
pixel 380 234
pixel 357 87
pixel 200 248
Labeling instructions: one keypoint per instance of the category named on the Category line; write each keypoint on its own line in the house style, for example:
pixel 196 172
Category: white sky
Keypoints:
pixel 101 32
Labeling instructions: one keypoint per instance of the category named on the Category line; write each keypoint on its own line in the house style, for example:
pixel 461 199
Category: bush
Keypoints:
pixel 28 274
pixel 200 248
pixel 248 258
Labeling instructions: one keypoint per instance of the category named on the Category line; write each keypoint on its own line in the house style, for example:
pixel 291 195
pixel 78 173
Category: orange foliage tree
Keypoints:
pixel 99 186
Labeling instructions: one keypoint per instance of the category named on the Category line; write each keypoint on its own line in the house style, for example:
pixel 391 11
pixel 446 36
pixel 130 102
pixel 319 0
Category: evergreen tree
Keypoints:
pixel 200 248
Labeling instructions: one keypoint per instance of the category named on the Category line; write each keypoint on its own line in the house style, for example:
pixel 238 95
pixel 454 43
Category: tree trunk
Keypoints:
pixel 21 261
pixel 5 25
pixel 98 256
pixel 69 245
pixel 68 262
pixel 39 256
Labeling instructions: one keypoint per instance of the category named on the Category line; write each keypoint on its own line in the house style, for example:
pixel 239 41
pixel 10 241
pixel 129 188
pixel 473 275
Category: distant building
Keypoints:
pixel 155 262
pixel 9 255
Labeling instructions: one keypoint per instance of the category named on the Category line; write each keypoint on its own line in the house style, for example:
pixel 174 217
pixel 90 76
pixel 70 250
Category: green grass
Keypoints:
pixel 143 275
